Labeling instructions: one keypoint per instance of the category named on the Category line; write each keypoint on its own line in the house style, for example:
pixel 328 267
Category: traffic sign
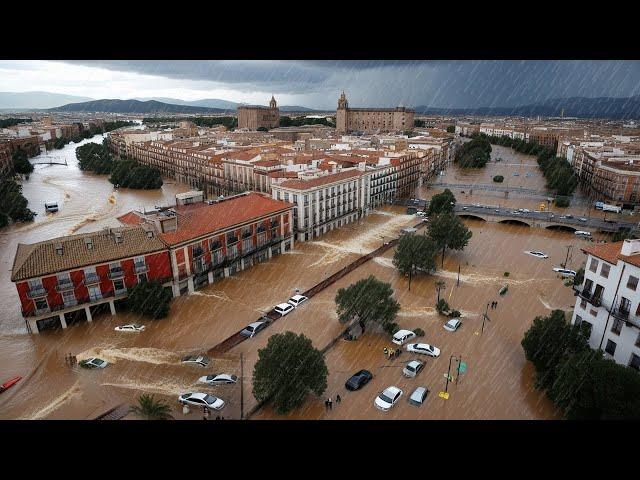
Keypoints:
pixel 444 395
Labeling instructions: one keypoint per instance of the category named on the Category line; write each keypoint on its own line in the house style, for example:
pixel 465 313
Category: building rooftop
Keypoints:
pixel 610 252
pixel 200 219
pixel 320 181
pixel 41 259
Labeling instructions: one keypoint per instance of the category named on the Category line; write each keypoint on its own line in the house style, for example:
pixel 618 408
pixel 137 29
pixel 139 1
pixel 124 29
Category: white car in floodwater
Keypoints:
pixel 133 327
pixel 453 325
pixel 388 398
pixel 200 360
pixel 284 308
pixel 93 362
pixel 565 272
pixel 402 336
pixel 423 349
pixel 296 300
pixel 201 400
pixel 536 253
pixel 221 379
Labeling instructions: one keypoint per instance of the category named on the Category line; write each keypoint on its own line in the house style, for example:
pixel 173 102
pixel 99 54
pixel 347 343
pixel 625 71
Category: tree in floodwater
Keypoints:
pixel 448 231
pixel 150 298
pixel 94 157
pixel 549 341
pixel 151 409
pixel 367 300
pixel 21 163
pixel 440 285
pixel 288 368
pixel 13 204
pixel 590 387
pixel 441 203
pixel 413 253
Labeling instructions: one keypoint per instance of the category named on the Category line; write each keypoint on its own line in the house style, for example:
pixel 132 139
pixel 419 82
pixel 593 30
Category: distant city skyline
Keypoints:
pixel 318 84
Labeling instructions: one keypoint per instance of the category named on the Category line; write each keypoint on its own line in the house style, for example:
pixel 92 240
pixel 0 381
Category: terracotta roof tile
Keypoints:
pixel 40 259
pixel 318 182
pixel 200 219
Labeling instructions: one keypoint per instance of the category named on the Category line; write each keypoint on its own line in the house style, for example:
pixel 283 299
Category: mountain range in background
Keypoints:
pixel 581 107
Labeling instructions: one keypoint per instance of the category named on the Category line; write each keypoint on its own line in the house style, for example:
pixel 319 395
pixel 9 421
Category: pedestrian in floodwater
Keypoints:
pixel 218 417
pixel 496 305
pixel 338 399
pixel 185 409
pixel 330 403
pixel 397 352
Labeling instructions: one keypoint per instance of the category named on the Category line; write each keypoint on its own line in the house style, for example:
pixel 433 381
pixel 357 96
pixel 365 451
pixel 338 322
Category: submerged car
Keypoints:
pixel 252 329
pixel 536 253
pixel 424 349
pixel 284 308
pixel 296 300
pixel 413 368
pixel 133 327
pixel 200 360
pixel 418 396
pixel 565 272
pixel 93 362
pixel 201 400
pixel 402 336
pixel 221 379
pixel 453 325
pixel 388 398
pixel 358 380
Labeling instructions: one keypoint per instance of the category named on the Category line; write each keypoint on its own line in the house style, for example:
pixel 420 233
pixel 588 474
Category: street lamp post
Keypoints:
pixel 484 317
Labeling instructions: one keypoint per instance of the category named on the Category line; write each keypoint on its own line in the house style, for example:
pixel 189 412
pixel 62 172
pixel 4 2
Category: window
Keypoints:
pixel 118 285
pixel 611 347
pixel 634 362
pixel 583 304
pixel 632 283
pixel 69 298
pixel 604 271
pixel 617 326
pixel 593 266
pixel 41 303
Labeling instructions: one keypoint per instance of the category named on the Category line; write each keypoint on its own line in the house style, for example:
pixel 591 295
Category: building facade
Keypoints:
pixel 253 117
pixel 608 301
pixel 372 120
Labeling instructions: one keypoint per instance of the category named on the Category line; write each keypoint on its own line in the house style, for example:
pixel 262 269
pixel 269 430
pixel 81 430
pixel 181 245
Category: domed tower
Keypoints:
pixel 341 114
pixel 272 103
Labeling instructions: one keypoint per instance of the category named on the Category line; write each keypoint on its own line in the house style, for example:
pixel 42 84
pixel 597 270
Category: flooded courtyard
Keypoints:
pixel 497 384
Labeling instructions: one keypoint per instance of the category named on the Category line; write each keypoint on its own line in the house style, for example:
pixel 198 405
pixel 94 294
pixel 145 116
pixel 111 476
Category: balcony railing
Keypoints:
pixel 63 286
pixel 70 303
pixel 91 279
pixel 113 274
pixel 200 269
pixel 594 300
pixel 246 234
pixel 141 268
pixel 37 292
pixel 119 292
pixel 623 314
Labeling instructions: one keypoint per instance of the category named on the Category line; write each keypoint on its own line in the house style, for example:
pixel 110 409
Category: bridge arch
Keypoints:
pixel 562 228
pixel 513 221
pixel 471 216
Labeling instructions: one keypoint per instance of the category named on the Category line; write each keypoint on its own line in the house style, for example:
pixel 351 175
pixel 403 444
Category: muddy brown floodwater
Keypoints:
pixel 498 382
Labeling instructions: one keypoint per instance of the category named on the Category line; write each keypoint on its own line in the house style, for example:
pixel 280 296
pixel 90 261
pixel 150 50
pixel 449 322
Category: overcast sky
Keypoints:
pixel 318 84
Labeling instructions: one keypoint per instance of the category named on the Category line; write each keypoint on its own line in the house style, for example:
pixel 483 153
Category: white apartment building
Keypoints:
pixel 608 301
pixel 325 202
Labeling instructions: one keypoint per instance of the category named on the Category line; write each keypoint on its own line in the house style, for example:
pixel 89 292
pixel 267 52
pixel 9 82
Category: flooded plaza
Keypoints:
pixel 498 383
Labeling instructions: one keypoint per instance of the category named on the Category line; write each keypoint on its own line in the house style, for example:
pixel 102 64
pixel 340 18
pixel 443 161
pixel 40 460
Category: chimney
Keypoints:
pixel 630 247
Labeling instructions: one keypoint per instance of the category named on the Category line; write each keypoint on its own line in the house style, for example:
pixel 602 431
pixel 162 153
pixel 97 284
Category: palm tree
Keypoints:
pixel 440 285
pixel 151 409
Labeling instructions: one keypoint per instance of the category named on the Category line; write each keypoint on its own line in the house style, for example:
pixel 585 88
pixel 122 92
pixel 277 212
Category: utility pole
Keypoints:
pixel 459 363
pixel 485 317
pixel 241 387
pixel 569 247
pixel 458 276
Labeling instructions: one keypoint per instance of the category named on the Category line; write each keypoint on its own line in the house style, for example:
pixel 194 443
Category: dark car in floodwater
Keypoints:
pixel 358 380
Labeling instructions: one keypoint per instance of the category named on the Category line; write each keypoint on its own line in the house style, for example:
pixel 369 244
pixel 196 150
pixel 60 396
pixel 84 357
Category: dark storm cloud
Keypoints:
pixel 387 83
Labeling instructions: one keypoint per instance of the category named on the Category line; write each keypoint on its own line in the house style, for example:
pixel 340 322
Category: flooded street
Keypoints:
pixel 498 383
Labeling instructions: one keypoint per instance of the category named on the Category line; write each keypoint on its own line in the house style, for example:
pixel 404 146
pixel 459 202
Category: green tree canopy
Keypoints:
pixel 367 300
pixel 287 370
pixel 448 232
pixel 549 341
pixel 441 203
pixel 151 409
pixel 94 157
pixel 129 173
pixel 12 202
pixel 151 299
pixel 415 252
pixel 21 162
